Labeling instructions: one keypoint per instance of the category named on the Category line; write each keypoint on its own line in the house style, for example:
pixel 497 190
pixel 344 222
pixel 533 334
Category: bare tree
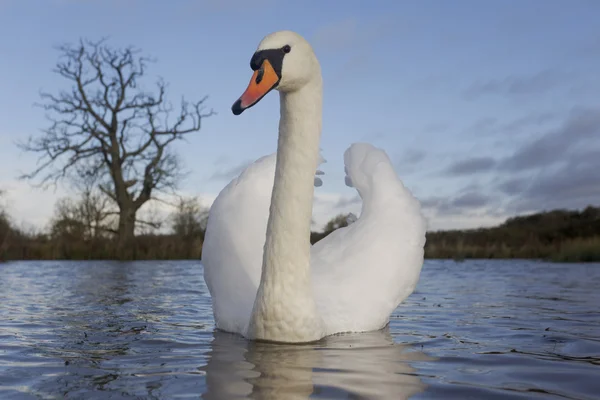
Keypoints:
pixel 87 217
pixel 108 129
pixel 339 221
pixel 5 228
pixel 95 212
pixel 151 219
pixel 67 222
pixel 189 219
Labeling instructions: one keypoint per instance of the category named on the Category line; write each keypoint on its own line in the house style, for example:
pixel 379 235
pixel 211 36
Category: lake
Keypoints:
pixel 473 329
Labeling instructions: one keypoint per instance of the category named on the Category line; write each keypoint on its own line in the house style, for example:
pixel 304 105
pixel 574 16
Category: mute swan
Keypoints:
pixel 266 280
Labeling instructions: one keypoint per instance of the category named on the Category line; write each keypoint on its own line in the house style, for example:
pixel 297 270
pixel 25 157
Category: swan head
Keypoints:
pixel 283 61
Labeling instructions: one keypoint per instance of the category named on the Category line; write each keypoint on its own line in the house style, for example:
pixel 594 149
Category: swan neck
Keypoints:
pixel 288 251
pixel 285 292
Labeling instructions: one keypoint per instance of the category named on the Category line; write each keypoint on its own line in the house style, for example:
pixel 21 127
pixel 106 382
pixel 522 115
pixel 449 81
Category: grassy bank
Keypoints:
pixel 561 236
pixel 573 250
pixel 579 250
pixel 146 247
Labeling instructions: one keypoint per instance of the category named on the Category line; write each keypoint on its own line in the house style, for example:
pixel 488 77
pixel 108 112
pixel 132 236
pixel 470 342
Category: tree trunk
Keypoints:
pixel 126 244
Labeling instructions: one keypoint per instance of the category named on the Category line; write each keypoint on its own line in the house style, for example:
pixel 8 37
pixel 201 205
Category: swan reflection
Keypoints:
pixel 366 365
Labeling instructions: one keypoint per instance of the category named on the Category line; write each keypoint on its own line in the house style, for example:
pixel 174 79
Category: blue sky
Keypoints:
pixel 487 108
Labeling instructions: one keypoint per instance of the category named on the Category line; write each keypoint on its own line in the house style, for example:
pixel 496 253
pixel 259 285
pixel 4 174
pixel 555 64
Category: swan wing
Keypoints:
pixel 233 245
pixel 363 271
pixel 360 272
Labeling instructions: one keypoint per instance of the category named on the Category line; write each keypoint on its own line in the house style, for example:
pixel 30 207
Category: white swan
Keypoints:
pixel 265 279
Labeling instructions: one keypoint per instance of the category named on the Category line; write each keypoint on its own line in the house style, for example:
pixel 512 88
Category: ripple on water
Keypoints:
pixel 475 329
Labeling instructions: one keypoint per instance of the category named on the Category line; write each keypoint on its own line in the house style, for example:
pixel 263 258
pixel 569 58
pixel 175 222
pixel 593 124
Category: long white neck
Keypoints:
pixel 284 309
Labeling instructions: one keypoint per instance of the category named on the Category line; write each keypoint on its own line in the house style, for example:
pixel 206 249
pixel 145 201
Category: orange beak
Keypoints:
pixel 263 81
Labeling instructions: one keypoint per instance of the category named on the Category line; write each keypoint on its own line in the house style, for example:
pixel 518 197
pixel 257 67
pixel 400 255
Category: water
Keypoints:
pixel 476 329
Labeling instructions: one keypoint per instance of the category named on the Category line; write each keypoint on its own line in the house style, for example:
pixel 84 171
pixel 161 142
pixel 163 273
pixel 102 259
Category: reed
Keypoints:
pixel 561 236
pixel 579 250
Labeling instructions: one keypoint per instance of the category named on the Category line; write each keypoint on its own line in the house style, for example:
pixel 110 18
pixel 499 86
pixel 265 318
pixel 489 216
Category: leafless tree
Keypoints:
pixel 339 221
pixel 5 228
pixel 107 128
pixel 189 219
pixel 85 218
pixel 67 223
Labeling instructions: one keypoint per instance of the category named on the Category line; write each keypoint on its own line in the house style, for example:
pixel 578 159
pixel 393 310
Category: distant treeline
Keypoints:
pixel 559 235
pixel 17 245
pixel 146 247
pixel 85 229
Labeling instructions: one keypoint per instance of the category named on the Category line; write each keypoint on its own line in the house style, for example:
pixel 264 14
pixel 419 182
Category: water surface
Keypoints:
pixel 475 329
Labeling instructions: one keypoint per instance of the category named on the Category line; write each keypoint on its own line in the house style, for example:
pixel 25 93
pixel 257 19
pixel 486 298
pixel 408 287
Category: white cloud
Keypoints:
pixel 33 207
pixel 461 221
pixel 29 206
pixel 328 204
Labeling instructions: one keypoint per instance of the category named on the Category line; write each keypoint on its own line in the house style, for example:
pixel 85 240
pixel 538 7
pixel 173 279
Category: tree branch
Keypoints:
pixel 106 128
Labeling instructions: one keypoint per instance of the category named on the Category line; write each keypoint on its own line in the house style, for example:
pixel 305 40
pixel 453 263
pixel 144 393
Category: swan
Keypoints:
pixel 266 281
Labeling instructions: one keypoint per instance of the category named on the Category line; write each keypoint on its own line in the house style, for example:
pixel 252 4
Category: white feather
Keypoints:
pixel 360 272
pixel 269 283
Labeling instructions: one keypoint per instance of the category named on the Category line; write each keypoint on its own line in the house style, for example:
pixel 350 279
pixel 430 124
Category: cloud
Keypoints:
pixel 32 208
pixel 470 200
pixel 488 126
pixel 557 168
pixel 462 203
pixel 29 206
pixel 431 202
pixel 512 186
pixel 466 199
pixel 582 125
pixel 470 208
pixel 414 156
pixel 344 202
pixel 483 125
pixel 409 160
pixel 533 119
pixel 228 174
pixel 221 160
pixel 471 166
pixel 465 221
pixel 327 205
pixel 515 85
pixel 575 184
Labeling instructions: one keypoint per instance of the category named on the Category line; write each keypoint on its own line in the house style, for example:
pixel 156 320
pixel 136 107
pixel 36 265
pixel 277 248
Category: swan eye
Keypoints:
pixel 260 75
pixel 286 48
